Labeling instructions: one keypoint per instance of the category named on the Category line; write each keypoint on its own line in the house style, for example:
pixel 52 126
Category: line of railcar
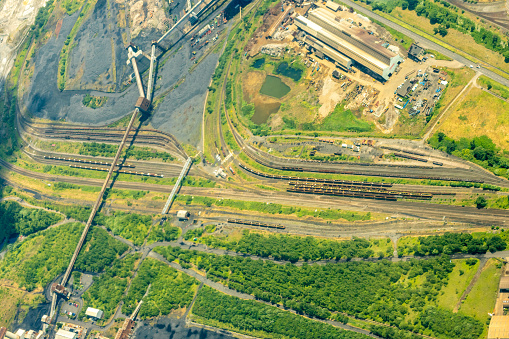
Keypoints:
pixel 402 150
pixel 85 161
pixel 119 171
pixel 255 223
pixel 361 190
pixel 318 180
pixel 411 157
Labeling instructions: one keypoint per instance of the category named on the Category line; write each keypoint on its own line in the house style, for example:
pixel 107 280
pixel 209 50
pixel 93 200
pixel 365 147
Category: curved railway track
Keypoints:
pixel 473 174
pixel 145 137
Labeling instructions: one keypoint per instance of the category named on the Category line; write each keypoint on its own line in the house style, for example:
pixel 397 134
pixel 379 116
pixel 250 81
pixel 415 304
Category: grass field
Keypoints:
pixel 480 113
pixel 458 282
pixel 481 299
pixel 342 119
pixel 493 86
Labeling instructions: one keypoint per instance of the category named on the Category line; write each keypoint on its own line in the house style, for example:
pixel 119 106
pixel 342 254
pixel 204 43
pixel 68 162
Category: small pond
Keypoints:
pixel 288 71
pixel 263 110
pixel 258 63
pixel 274 87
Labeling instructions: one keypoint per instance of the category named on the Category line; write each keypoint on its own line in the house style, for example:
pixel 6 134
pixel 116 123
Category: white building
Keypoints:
pixel 63 334
pixel 94 312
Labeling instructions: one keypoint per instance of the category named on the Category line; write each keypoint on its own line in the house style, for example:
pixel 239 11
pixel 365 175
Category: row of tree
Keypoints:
pixel 293 248
pixel 252 316
pixel 451 243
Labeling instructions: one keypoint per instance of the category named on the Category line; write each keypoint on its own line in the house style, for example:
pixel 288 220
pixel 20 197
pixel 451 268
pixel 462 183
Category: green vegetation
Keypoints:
pixel 93 101
pixel 277 208
pixel 480 150
pixel 106 150
pixel 339 120
pixel 109 287
pixel 164 232
pixel 71 6
pixel 130 226
pixel 69 42
pixel 293 248
pixel 15 219
pixel 395 293
pixel 463 272
pixel 169 290
pixel 494 86
pixel 451 243
pixel 252 317
pixel 481 299
pixel 42 256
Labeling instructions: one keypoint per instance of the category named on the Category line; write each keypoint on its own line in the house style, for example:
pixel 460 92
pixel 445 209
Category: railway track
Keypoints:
pixel 366 169
pixel 147 137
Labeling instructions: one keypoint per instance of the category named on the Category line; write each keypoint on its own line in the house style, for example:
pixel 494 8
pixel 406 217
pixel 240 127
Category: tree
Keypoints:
pixel 412 4
pixel 481 202
pixel 442 30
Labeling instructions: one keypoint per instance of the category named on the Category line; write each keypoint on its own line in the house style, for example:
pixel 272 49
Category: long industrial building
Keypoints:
pixel 343 42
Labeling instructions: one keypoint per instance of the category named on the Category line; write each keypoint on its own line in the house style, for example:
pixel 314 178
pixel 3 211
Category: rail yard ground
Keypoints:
pixel 306 175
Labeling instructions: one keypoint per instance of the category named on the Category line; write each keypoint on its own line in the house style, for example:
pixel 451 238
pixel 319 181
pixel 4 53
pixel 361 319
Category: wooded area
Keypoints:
pixel 480 150
pixel 108 288
pixel 451 243
pixel 394 293
pixel 16 219
pixel 293 248
pixel 169 290
pixel 43 256
pixel 249 316
pixel 164 232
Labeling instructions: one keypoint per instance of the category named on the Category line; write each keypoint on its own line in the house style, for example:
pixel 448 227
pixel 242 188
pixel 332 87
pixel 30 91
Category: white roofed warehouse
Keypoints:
pixel 343 42
pixel 62 334
pixel 94 313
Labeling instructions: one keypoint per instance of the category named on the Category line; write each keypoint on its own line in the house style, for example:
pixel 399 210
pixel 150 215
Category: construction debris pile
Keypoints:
pixel 146 14
pixel 274 50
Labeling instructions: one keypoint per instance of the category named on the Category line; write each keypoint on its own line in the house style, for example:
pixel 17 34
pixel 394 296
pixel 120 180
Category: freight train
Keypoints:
pixel 255 223
pixel 318 180
pixel 120 171
pixel 84 161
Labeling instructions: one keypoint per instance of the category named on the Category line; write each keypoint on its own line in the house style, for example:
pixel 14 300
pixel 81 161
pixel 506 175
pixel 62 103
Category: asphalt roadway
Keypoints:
pixel 413 209
pixel 426 42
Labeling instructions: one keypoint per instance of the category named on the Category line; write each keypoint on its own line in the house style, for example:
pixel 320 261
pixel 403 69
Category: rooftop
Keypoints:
pixel 504 283
pixel 354 31
pixel 499 327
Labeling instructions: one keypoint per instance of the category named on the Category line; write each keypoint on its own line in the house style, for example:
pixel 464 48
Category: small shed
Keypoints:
pixel 183 215
pixel 94 313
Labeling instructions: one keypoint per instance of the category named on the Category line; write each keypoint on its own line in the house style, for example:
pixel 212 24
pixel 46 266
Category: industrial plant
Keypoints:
pixel 346 43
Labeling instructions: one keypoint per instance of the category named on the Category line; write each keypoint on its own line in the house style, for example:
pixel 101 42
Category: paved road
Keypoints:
pixel 424 41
